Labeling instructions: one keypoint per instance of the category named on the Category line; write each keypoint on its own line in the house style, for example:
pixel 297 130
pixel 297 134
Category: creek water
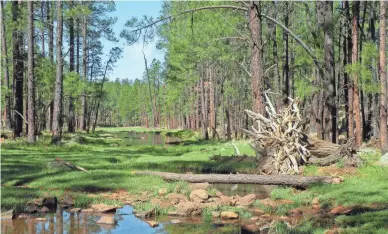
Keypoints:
pixel 62 221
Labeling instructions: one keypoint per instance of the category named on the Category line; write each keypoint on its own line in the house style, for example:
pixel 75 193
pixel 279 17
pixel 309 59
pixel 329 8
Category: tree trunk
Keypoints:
pixel 330 111
pixel 293 180
pixel 213 112
pixel 84 72
pixel 17 72
pixel 286 68
pixel 356 101
pixel 205 122
pixel 31 79
pixel 71 117
pixel 383 81
pixel 256 60
pixel 4 50
pixel 57 113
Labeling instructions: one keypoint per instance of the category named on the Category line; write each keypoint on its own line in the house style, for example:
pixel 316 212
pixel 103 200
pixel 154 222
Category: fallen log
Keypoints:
pixel 293 180
pixel 70 165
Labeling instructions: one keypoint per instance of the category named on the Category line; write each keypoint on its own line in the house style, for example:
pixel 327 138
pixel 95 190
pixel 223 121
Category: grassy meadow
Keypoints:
pixel 111 161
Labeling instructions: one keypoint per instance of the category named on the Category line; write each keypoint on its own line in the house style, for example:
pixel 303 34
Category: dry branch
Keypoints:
pixel 70 165
pixel 293 180
pixel 280 136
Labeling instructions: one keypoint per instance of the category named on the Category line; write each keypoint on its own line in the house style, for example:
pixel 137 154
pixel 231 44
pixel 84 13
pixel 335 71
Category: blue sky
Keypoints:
pixel 132 66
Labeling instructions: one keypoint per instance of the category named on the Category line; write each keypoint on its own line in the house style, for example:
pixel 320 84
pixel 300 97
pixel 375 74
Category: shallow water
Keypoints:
pixel 62 222
pixel 146 138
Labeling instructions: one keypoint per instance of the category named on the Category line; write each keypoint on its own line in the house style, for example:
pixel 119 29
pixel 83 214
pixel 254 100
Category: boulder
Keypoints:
pixel 152 223
pixel 199 195
pixel 31 209
pixel 188 208
pixel 40 219
pixel 103 208
pixel 246 200
pixel 384 159
pixel 268 202
pixel 8 215
pixel 295 212
pixel 340 210
pixel 55 165
pixel 145 214
pixel 162 191
pixel 215 214
pixel 254 218
pixel 284 202
pixel 176 198
pixel 156 201
pixel 107 219
pixel 44 209
pixel 229 215
pixel 175 221
pixel 250 228
pixel 67 200
pixel 195 186
pixel 75 210
pixel 87 210
pixel 258 211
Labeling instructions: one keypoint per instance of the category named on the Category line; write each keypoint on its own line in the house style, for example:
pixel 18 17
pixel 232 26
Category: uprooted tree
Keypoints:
pixel 282 147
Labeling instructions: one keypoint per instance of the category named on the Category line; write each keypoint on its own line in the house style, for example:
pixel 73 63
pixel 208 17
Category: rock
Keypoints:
pixel 152 223
pixel 258 211
pixel 38 202
pixel 31 209
pixel 295 212
pixel 340 210
pixel 199 195
pixel 315 203
pixel 224 200
pixel 188 208
pixel 87 210
pixel 75 210
pixel 107 219
pixel 254 218
pixel 195 186
pixel 215 214
pixel 8 215
pixel 103 208
pixel 156 201
pixel 67 200
pixel 268 202
pixel 40 219
pixel 333 231
pixel 336 180
pixel 50 202
pixel 24 216
pixel 284 202
pixel 246 200
pixel 250 228
pixel 175 198
pixel 162 191
pixel 229 215
pixel 146 214
pixel 175 221
pixel 384 159
pixel 44 210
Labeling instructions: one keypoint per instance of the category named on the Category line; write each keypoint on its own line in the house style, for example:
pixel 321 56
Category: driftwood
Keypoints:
pixel 283 147
pixel 70 165
pixel 293 180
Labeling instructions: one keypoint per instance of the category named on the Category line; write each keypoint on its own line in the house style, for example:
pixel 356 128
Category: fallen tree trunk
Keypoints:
pixel 70 165
pixel 293 180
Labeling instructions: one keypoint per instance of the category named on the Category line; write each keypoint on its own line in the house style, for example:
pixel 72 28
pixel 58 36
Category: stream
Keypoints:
pixel 61 221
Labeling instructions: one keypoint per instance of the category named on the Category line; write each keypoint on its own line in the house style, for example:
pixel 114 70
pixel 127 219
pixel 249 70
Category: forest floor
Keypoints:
pixel 357 205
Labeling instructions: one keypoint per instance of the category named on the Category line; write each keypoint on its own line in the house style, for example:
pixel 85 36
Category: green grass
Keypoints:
pixel 109 163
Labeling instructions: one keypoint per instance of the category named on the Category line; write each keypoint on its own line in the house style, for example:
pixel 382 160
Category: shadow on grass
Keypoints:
pixel 16 197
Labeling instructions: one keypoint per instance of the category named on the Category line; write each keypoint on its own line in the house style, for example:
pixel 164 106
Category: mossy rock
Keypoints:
pixel 58 166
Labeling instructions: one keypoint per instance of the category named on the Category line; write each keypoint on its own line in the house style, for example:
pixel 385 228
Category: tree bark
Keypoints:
pixel 71 117
pixel 57 113
pixel 256 68
pixel 286 68
pixel 356 100
pixel 17 72
pixel 204 121
pixel 383 81
pixel 213 112
pixel 293 180
pixel 84 72
pixel 4 50
pixel 31 79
